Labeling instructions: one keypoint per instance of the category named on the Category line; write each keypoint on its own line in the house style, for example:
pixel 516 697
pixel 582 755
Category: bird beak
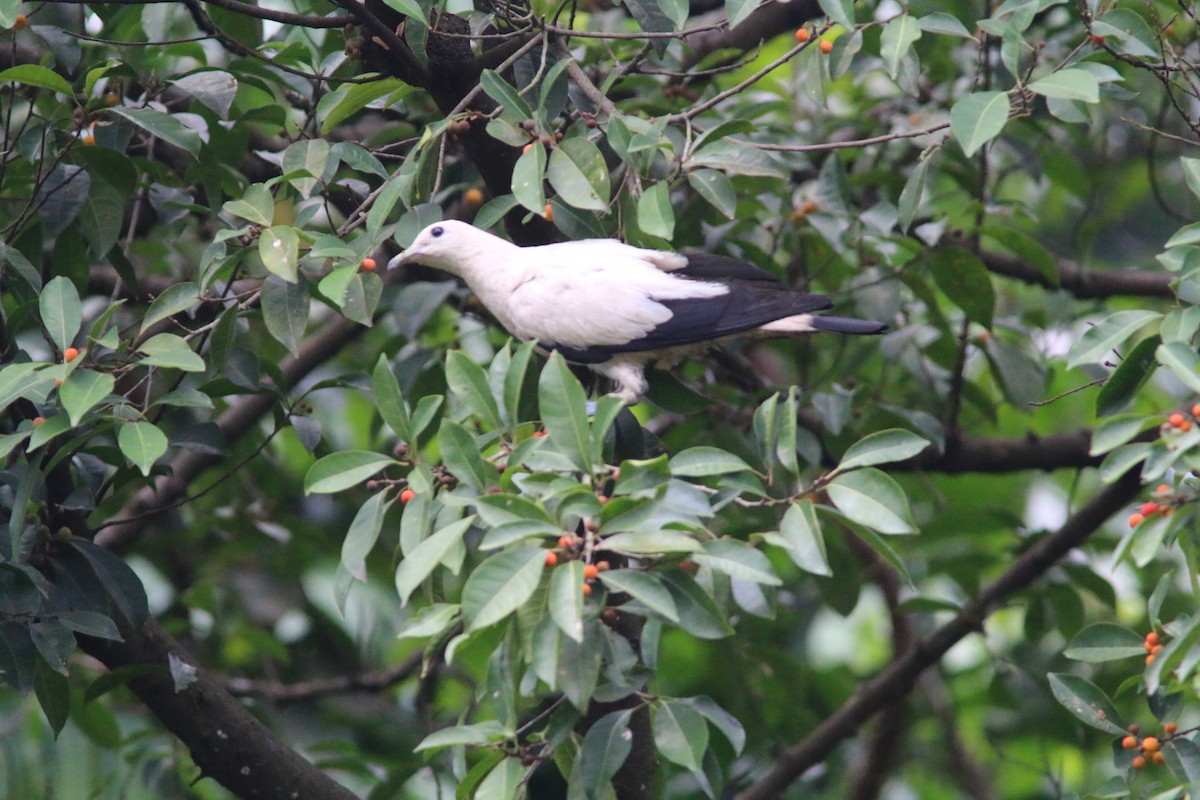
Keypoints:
pixel 405 257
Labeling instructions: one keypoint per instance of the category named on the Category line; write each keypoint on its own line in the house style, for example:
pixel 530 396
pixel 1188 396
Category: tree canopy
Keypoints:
pixel 283 523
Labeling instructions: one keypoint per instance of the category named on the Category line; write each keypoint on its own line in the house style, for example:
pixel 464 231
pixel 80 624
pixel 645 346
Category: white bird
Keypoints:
pixel 614 307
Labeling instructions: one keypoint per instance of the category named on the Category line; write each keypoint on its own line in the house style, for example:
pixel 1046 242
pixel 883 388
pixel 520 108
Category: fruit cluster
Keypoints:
pixel 570 547
pixel 1152 647
pixel 1165 506
pixel 1150 748
pixel 1182 422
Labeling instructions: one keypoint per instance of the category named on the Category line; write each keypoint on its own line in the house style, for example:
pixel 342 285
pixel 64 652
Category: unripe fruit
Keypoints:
pixel 368 264
pixel 1129 742
pixel 1139 762
pixel 89 139
pixel 1175 420
pixel 1135 520
pixel 473 197
pixel 70 354
pixel 610 614
pixel 372 485
pixel 1133 728
pixel 1149 744
pixel 603 566
pixel 826 47
pixel 1148 508
pixel 590 571
pixel 551 559
pixel 406 495
pixel 1170 727
pixel 802 34
pixel 111 99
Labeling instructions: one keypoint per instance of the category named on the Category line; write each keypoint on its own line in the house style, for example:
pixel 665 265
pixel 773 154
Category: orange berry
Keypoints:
pixel 89 139
pixel 1148 508
pixel 1156 649
pixel 57 382
pixel 808 207
pixel 1147 646
pixel 527 147
pixel 549 215
pixel 603 566
pixel 566 542
pixel 1097 40
pixel 616 474
pixel 473 197
pixel 1152 637
pixel 1170 727
pixel 1149 659
pixel 802 34
pixel 826 47
pixel 551 558
pixel 70 354
pixel 20 23
pixel 1129 742
pixel 1185 426
pixel 111 99
pixel 1135 520
pixel 1175 420
pixel 39 421
pixel 540 434
pixel 602 498
pixel 1158 758
pixel 1139 762
pixel 1149 744
pixel 587 589
pixel 1163 489
pixel 590 571
pixel 368 264
pixel 406 495
pixel 1196 410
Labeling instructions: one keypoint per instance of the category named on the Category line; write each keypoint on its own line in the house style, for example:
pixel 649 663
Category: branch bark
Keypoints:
pixel 1081 282
pixel 899 677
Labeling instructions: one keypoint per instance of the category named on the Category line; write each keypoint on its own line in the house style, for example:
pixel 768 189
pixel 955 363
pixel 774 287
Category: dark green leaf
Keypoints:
pixel 965 280
pixel 340 471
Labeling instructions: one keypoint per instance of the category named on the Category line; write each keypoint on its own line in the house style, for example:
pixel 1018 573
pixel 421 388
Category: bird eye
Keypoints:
pixel 436 232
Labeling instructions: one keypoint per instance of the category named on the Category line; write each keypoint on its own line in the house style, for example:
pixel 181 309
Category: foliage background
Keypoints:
pixel 204 387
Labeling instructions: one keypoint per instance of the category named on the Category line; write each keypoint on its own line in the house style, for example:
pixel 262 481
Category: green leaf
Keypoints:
pixel 644 587
pixel 704 461
pixel 346 101
pixel 161 126
pixel 82 390
pixel 698 614
pixel 873 499
pixel 725 722
pixel 800 535
pixel 176 299
pixel 1115 432
pixel 38 76
pixel 840 11
pixel 1132 34
pixel 339 471
pixel 1191 173
pixel 910 195
pixel 285 310
pixel 716 188
pixel 53 694
pixel 943 23
pixel 142 443
pixel 736 11
pixel 735 158
pixel 563 406
pixel 424 558
pixel 1107 335
pixel 882 447
pixel 662 540
pixel 965 280
pixel 680 734
pixel 605 747
pixel 212 87
pixel 505 780
pixel 432 620
pixel 500 585
pixel 362 535
pixel 279 249
pixel 655 215
pixel 1087 702
pixel 306 155
pixel 470 385
pixel 898 37
pixel 738 560
pixel 578 173
pixel 1182 361
pixel 170 351
pixel 91 623
pixel 1105 641
pixel 62 313
pixel 480 733
pixel 566 598
pixel 461 456
pixel 978 118
pixel 256 205
pixel 385 390
pixel 52 427
pixel 503 93
pixel 1129 377
pixel 1069 84
pixel 528 177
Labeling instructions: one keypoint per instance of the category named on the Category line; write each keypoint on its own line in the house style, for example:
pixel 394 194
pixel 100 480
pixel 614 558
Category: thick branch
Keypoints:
pixel 899 677
pixel 226 741
pixel 1081 282
pixel 279 692
pixel 770 20
pixel 981 454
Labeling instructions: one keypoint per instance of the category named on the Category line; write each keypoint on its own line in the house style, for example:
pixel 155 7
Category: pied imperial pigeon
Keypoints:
pixel 614 307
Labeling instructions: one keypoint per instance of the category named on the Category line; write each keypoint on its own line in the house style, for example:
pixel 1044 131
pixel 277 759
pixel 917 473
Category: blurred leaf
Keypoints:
pixel 736 11
pixel 170 351
pixel 704 461
pixel 501 585
pixel 339 471
pixel 654 212
pixel 306 155
pixel 470 385
pixel 1107 335
pixel 605 747
pixel 363 533
pixel 1068 84
pixel 461 456
pixel 800 535
pixel 978 118
pixel 527 179
pixel 578 173
pixel 256 205
pixel 506 779
pixel 644 587
pixel 279 249
pixel 564 413
pixel 658 541
pixel 390 404
pixel 161 126
pixel 1105 641
pixel 215 89
pixel 965 280
pixel 54 695
pixel 1181 360
pixel 36 76
pixel 943 23
pixel 840 11
pixel 897 39
pixel 716 188
pixel 503 93
pixel 698 614
pixel 1129 377
pixel 479 733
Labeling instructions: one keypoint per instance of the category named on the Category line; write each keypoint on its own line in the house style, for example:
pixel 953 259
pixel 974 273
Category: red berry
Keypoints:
pixel 566 542
pixel 70 354
pixel 20 23
pixel 1148 508
pixel 39 421
pixel 590 571
pixel 551 558
pixel 1135 520
pixel 368 264
pixel 1175 420
pixel 802 34
pixel 826 47
pixel 1163 489
pixel 1152 638
pixel 1097 40
pixel 587 589
pixel 406 495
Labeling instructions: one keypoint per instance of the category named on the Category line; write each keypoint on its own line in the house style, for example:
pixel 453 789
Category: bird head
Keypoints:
pixel 447 245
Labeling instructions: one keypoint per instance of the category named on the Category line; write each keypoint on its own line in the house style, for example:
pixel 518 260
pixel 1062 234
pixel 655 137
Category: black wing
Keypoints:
pixel 754 297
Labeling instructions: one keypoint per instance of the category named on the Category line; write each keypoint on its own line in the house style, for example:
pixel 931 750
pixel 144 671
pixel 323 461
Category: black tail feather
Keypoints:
pixel 847 325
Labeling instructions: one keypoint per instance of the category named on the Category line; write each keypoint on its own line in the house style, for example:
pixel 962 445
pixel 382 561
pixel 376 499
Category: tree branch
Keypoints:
pixel 768 21
pixel 899 677
pixel 227 742
pixel 1081 282
pixel 279 692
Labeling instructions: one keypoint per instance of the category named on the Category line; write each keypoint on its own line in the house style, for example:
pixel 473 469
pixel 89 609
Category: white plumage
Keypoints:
pixel 615 307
